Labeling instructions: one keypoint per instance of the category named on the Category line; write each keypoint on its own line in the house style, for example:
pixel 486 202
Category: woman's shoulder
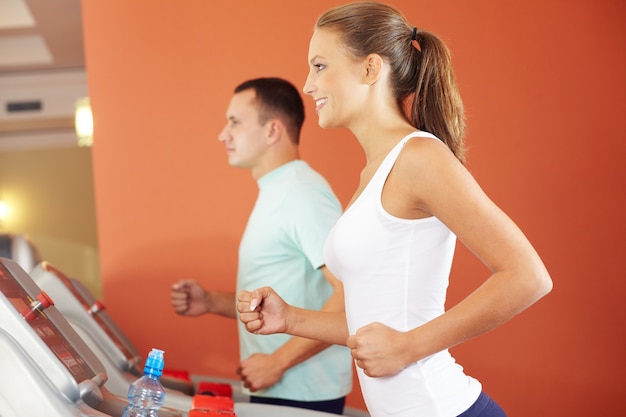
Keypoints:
pixel 425 173
pixel 421 152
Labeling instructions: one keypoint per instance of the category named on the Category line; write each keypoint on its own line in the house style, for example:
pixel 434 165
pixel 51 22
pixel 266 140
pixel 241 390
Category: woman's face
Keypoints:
pixel 334 80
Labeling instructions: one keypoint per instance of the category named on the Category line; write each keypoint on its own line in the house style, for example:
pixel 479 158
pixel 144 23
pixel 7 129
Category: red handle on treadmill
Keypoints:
pixel 42 302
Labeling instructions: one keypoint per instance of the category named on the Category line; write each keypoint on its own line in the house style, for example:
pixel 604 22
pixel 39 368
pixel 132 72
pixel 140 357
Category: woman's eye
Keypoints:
pixel 319 67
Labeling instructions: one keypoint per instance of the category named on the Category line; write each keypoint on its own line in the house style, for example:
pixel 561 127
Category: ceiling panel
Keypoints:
pixel 41 48
pixel 40 35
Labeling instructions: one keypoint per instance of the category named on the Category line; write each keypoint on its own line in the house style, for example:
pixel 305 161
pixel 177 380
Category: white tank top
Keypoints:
pixel 395 271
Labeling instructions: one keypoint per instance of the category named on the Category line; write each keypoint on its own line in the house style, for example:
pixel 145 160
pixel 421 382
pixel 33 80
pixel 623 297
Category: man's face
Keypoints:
pixel 244 137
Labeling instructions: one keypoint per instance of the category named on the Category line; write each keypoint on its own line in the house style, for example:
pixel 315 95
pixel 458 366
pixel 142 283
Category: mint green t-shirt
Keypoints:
pixel 282 247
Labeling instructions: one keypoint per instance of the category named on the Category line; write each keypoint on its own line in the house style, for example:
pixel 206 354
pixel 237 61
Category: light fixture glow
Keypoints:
pixel 83 122
pixel 4 210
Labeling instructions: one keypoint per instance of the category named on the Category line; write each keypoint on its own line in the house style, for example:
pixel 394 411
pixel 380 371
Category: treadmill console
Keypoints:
pixel 43 357
pixel 34 312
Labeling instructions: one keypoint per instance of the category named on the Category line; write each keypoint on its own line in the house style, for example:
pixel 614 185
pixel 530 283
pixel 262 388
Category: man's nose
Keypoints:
pixel 223 135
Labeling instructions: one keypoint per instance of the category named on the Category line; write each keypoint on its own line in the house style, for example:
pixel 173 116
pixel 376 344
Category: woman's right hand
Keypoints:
pixel 262 311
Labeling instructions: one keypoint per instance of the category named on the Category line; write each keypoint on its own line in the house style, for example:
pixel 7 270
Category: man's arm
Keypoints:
pixel 188 298
pixel 261 371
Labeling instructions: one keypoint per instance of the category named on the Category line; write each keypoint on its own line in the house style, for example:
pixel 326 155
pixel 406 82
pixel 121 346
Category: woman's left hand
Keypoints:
pixel 379 350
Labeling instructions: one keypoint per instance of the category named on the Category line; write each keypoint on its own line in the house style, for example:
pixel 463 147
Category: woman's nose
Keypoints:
pixel 309 87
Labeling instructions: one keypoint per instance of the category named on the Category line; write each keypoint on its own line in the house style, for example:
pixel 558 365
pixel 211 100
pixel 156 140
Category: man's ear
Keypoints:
pixel 373 68
pixel 275 129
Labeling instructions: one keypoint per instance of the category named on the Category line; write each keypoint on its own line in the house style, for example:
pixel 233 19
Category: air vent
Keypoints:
pixel 20 106
pixel 37 108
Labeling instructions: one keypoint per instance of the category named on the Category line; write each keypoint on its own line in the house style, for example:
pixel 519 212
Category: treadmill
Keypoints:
pixel 95 326
pixel 46 368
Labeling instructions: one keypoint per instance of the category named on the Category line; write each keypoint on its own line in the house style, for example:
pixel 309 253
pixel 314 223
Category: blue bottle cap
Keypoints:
pixel 154 363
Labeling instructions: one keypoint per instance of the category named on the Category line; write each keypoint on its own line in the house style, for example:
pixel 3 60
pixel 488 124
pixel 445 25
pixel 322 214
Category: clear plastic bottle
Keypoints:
pixel 146 395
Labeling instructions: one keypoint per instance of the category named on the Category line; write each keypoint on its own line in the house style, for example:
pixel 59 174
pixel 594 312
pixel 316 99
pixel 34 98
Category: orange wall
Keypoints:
pixel 543 85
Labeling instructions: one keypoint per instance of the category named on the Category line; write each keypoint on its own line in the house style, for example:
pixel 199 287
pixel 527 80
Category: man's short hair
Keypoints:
pixel 277 98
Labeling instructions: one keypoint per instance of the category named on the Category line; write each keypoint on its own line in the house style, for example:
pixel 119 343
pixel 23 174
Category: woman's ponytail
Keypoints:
pixel 437 106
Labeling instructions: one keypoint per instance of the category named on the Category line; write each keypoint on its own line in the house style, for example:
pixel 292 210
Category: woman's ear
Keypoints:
pixel 373 68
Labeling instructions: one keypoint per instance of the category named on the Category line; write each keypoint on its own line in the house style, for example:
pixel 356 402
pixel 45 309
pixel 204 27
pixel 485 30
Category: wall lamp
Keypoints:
pixel 83 121
pixel 4 212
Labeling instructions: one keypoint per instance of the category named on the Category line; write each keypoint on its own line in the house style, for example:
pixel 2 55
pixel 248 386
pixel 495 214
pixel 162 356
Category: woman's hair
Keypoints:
pixel 421 75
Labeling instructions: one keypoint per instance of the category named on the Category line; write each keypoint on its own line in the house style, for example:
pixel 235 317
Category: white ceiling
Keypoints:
pixel 41 59
pixel 40 35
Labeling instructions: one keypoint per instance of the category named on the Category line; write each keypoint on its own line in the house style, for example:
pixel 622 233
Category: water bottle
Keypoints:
pixel 146 395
